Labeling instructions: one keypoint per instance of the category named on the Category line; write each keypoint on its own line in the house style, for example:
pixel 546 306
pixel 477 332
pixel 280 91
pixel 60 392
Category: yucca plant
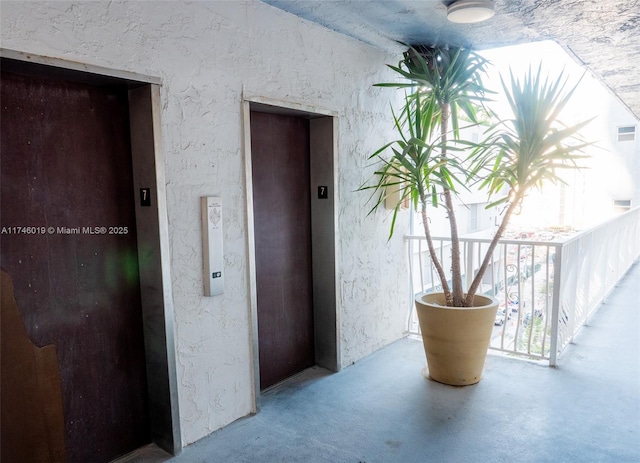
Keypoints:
pixel 518 153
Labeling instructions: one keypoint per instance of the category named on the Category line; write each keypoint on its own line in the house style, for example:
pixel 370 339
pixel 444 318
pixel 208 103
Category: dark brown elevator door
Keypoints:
pixel 66 171
pixel 282 219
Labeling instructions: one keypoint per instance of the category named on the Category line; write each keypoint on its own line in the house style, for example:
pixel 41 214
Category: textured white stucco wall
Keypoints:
pixel 207 54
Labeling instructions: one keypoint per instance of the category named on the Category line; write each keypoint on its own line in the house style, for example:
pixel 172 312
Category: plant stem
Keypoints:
pixel 433 254
pixel 471 293
pixel 456 274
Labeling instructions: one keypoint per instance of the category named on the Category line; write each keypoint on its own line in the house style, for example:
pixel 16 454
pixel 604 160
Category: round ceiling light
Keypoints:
pixel 470 11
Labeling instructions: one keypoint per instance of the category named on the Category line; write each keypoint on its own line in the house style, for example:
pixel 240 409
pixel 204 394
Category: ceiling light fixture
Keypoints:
pixel 470 11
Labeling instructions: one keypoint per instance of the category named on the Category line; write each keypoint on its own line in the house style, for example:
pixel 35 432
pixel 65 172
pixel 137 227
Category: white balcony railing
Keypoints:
pixel 547 288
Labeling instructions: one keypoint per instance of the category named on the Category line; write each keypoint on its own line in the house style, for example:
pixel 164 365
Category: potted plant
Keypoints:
pixel 425 166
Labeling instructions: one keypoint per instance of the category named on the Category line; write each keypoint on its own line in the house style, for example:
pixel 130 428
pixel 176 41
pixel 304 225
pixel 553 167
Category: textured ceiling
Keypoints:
pixel 603 35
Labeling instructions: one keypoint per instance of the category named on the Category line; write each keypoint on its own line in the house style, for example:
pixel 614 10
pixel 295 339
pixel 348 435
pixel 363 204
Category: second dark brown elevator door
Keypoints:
pixel 282 215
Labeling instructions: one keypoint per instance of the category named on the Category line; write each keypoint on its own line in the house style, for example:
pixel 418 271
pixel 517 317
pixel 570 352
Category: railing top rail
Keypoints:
pixel 604 224
pixel 488 240
pixel 560 241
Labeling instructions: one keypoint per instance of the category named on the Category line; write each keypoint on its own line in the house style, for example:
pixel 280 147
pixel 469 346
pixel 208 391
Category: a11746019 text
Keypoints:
pixel 65 230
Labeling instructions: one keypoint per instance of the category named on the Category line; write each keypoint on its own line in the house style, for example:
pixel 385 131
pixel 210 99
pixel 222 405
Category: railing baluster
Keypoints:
pixel 505 290
pixel 411 287
pixel 420 266
pixel 546 301
pixel 555 307
pixel 469 264
pixel 521 303
pixel 532 319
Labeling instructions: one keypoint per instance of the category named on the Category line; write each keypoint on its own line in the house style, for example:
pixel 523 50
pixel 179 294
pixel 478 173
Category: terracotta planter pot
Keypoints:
pixel 456 339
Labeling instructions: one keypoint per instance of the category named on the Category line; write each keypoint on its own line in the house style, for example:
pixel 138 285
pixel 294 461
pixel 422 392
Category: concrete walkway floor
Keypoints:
pixel 382 409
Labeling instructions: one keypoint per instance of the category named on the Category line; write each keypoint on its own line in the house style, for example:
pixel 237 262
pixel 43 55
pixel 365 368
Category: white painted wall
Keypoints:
pixel 207 54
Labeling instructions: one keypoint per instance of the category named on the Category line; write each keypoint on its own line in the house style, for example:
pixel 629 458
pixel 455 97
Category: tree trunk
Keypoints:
pixel 492 246
pixel 434 255
pixel 456 274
